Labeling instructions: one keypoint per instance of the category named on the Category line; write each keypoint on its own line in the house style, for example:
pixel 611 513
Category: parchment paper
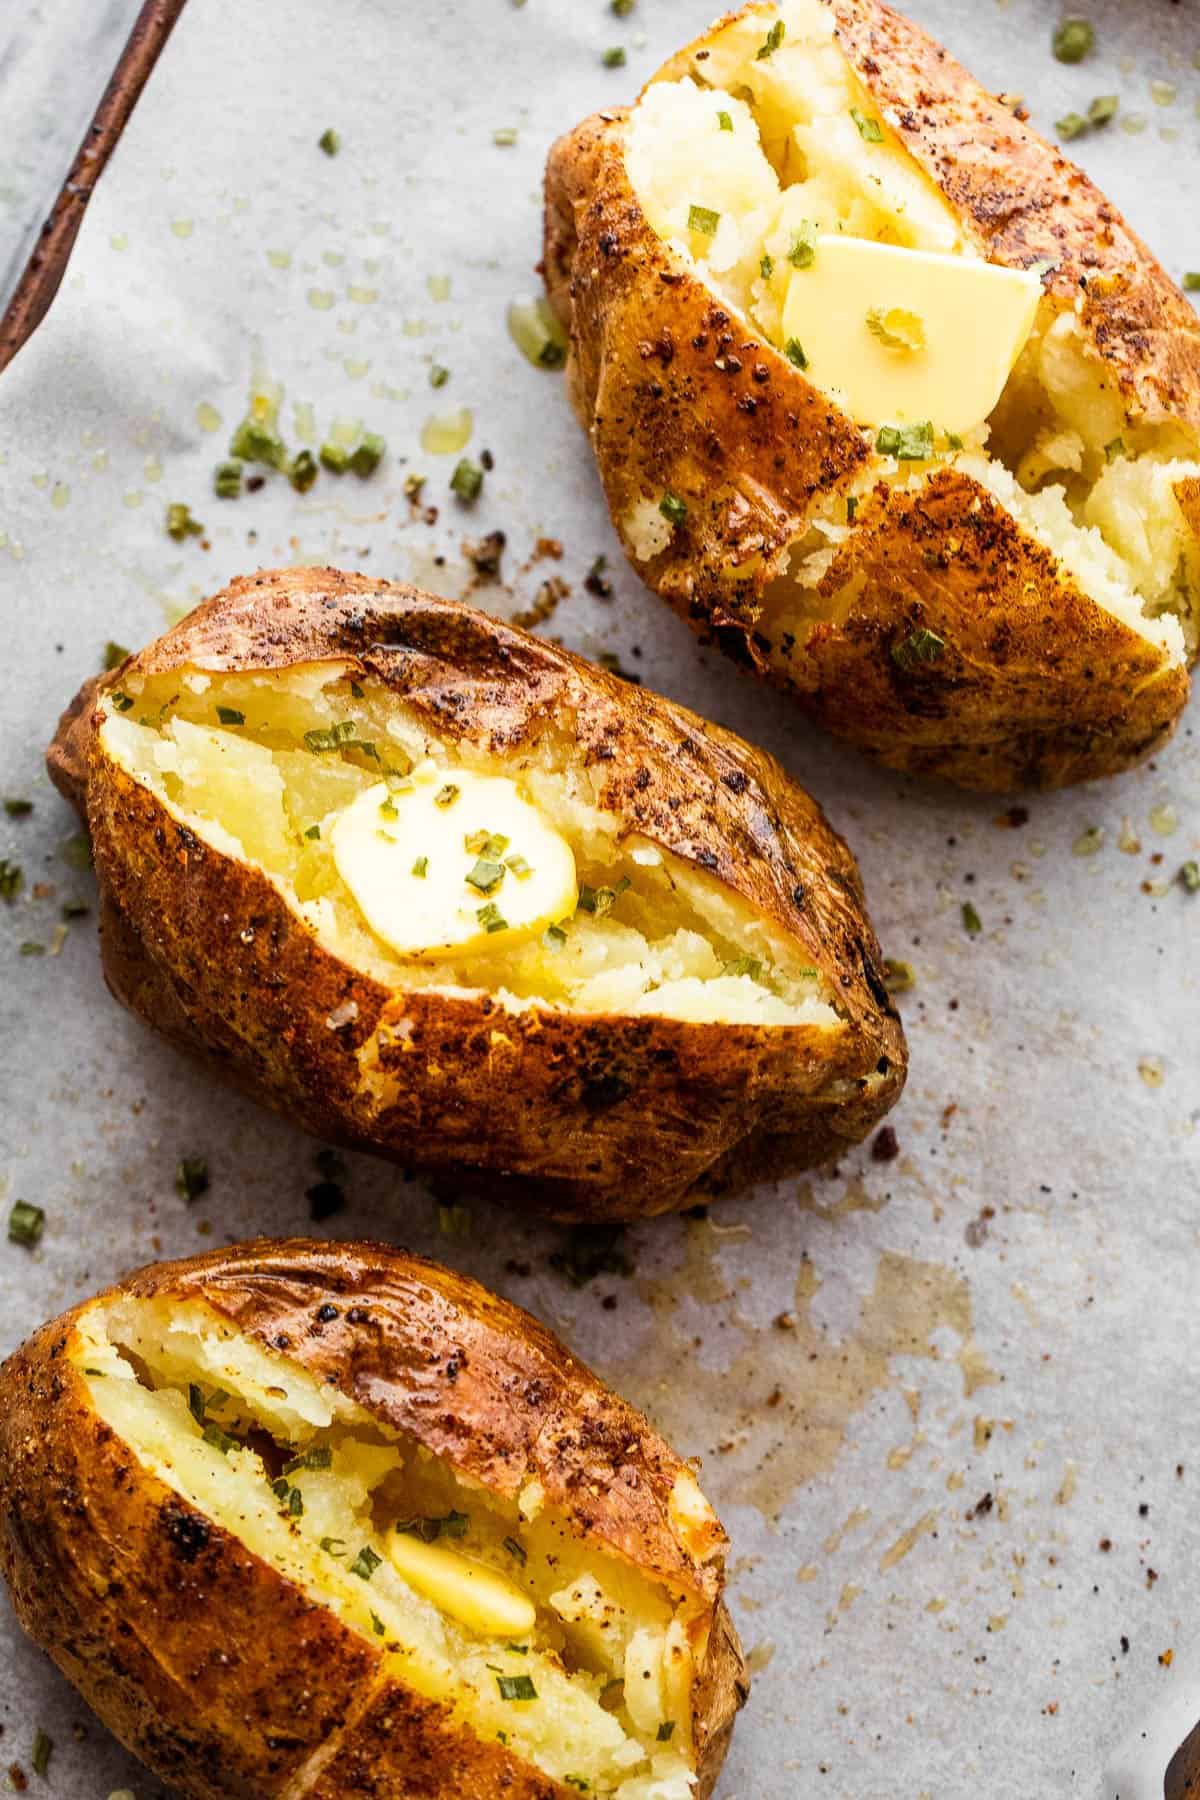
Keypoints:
pixel 962 1474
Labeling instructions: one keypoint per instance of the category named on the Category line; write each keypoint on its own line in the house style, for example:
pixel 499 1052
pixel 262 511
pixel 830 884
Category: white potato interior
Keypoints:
pixel 771 143
pixel 661 937
pixel 612 1656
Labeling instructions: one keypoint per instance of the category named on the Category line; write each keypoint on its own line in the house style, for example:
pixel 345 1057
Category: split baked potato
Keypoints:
pixel 438 889
pixel 886 397
pixel 314 1520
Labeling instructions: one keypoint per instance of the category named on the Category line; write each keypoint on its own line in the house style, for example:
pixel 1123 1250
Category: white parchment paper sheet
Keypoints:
pixel 1008 1308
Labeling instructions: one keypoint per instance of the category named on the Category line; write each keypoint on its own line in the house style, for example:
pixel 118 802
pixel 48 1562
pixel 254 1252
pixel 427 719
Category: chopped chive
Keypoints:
pixel 11 877
pixel 17 808
pixel 920 646
pixel 412 486
pixel 954 441
pixel 421 868
pixel 614 58
pixel 314 831
pixel 1071 125
pixel 703 219
pixel 770 43
pixel 329 141
pixel 1191 280
pixel 553 938
pixel 122 701
pixel 256 442
pixel 191 1178
pixel 25 1224
pixel 1114 449
pixel 220 1440
pixel 334 457
pixel 803 249
pixel 766 267
pixel 227 479
pixel 794 351
pixel 467 480
pixel 869 129
pixel 115 654
pixel 516 1550
pixel 622 8
pixel 724 122
pixel 367 454
pixel 851 508
pixel 333 1546
pixel 333 738
pixel 447 795
pixel 601 900
pixel 972 923
pixel 229 715
pixel 899 976
pixel 519 867
pixel 296 1504
pixel 43 1749
pixel 1103 109
pixel 75 909
pixel 485 877
pixel 377 1625
pixel 303 471
pixel 665 1731
pixel 744 965
pixel 180 523
pixel 1189 876
pixel 516 1687
pixel 438 376
pixel 673 508
pixel 491 918
pixel 907 443
pixel 319 1457
pixel 1073 39
pixel 196 1401
pixel 32 948
pixel 504 136
pixel 454 1220
pixel 365 1563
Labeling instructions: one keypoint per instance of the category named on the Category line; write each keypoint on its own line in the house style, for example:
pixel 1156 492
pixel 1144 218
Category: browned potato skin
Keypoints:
pixel 1039 686
pixel 601 1116
pixel 220 1674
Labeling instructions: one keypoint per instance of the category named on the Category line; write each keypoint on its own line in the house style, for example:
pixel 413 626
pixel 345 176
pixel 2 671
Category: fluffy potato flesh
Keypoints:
pixel 437 866
pixel 572 1657
pixel 744 160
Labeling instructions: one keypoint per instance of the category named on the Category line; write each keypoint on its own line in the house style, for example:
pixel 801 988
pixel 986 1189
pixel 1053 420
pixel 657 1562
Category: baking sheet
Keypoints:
pixel 933 1395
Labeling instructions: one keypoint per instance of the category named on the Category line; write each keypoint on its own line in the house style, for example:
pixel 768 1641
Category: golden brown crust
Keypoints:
pixel 601 1116
pixel 1041 686
pixel 225 1678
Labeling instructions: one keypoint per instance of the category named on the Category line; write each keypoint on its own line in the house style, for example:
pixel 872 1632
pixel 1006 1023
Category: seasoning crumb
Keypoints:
pixel 1166 1658
pixel 596 582
pixel 549 596
pixel 886 1147
pixel 484 553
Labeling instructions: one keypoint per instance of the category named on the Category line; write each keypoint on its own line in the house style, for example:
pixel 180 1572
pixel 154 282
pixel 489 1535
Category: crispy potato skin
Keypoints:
pixel 225 1678
pixel 590 1117
pixel 1040 686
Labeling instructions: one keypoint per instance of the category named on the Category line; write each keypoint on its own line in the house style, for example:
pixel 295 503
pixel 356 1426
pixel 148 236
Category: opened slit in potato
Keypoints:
pixel 438 889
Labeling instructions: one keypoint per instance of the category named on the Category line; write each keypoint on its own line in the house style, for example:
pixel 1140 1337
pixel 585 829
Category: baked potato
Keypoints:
pixel 886 397
pixel 438 889
pixel 310 1519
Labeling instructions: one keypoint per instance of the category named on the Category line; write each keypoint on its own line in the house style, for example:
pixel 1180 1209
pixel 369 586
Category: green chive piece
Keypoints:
pixel 899 976
pixel 505 136
pixel 851 508
pixel 220 1440
pixel 467 480
pixel 75 909
pixel 553 939
pixel 115 654
pixel 227 479
pixel 334 457
pixel 600 900
pixel 920 646
pixel 794 351
pixel 43 1750
pixel 516 1687
pixel 518 866
pixel 703 219
pixel 673 508
pixel 491 918
pixel 454 1220
pixel 76 851
pixel 803 246
pixel 516 1550
pixel 1071 125
pixel 446 796
pixel 1073 39
pixel 296 1504
pixel 766 267
pixel 954 441
pixel 122 701
pixel 333 1546
pixel 17 808
pixel 32 948
pixel 438 376
pixel 229 715
pixel 1114 449
pixel 11 877
pixel 724 122
pixel 614 58
pixel 421 868
pixel 303 471
pixel 485 877
pixel 907 443
pixel 196 1401
pixel 334 738
pixel 25 1223
pixel 869 129
pixel 367 454
pixel 329 141
pixel 1189 876
pixel 665 1731
pixel 972 923
pixel 191 1178
pixel 622 8
pixel 314 831
pixel 377 1625
pixel 1103 109
pixel 180 523
pixel 319 1457
pixel 365 1563
pixel 744 965
pixel 770 43
pixel 256 442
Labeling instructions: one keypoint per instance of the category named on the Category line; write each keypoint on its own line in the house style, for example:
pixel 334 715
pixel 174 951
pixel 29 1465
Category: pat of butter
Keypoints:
pixel 901 336
pixel 477 1596
pixel 416 862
